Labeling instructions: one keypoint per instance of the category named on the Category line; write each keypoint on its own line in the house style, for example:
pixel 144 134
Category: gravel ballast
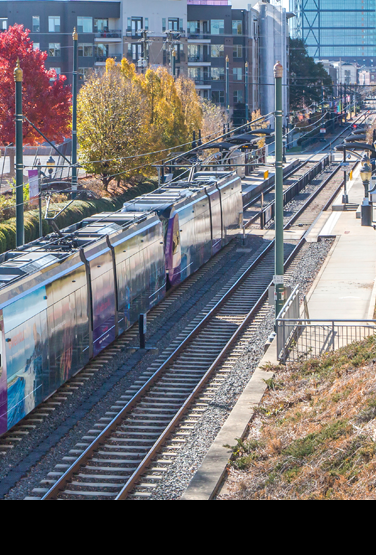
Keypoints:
pixel 192 454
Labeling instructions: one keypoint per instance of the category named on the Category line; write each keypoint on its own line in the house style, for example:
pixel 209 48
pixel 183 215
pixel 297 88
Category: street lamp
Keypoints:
pixel 50 165
pixel 366 176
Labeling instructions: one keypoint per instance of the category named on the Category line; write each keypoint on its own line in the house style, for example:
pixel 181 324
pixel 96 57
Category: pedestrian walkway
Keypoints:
pixel 345 287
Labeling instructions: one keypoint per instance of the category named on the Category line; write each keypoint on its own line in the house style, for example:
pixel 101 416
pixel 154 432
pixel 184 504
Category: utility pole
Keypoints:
pixel 246 92
pixel 145 41
pixel 279 247
pixel 174 63
pixel 74 115
pixel 20 231
pixel 172 38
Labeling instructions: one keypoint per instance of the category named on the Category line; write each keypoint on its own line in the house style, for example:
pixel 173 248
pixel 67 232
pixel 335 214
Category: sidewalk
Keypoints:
pixel 345 287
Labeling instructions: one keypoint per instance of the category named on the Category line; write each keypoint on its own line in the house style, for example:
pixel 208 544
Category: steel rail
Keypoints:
pixel 200 386
pixel 255 218
pixel 287 176
pixel 102 438
pixel 152 380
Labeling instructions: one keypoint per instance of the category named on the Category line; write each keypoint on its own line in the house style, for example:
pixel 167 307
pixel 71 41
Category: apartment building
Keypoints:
pixel 52 22
pixel 152 29
pixel 217 32
pixel 203 34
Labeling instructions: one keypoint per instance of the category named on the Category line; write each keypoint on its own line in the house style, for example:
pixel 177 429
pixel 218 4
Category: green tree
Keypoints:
pixel 308 79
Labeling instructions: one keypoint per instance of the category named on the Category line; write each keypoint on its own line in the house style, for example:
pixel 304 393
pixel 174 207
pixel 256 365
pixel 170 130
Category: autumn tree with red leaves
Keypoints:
pixel 46 97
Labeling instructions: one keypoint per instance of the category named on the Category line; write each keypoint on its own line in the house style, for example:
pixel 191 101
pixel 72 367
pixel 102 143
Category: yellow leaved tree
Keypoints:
pixel 112 125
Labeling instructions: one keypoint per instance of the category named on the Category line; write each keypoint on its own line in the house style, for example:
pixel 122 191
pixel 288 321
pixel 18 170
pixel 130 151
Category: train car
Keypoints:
pixel 66 297
pixel 198 217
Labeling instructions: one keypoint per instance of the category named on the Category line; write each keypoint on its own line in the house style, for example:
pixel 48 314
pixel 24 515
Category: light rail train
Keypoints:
pixel 66 297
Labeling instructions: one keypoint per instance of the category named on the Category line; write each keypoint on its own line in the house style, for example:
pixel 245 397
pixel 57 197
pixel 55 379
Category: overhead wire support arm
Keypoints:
pixel 47 140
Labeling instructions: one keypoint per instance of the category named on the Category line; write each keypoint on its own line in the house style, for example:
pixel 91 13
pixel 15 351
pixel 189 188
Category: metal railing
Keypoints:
pixel 104 57
pixel 302 339
pixel 285 329
pixel 114 34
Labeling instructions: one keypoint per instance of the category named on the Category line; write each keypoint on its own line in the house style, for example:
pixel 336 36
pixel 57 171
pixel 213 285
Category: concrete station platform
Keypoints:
pixel 344 289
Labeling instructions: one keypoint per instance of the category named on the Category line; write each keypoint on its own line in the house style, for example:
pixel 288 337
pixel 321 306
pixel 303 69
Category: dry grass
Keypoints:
pixel 314 435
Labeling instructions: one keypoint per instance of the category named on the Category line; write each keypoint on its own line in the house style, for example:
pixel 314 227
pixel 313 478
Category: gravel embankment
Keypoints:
pixel 189 459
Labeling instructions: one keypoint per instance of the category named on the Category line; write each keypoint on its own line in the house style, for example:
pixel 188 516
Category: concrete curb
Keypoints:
pixel 209 476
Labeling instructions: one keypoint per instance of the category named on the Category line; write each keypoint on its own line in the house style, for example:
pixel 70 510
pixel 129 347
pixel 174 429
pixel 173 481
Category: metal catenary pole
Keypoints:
pixel 279 251
pixel 40 199
pixel 228 85
pixel 74 115
pixel 246 92
pixel 20 232
pixel 345 198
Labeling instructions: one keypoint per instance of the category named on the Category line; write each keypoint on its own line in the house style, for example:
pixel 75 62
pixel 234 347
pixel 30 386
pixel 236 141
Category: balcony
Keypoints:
pixel 109 36
pixel 196 59
pixel 101 59
pixel 197 38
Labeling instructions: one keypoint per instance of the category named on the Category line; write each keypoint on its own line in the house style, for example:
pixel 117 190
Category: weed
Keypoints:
pixel 273 385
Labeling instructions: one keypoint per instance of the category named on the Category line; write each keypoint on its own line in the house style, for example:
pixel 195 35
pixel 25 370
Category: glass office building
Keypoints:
pixel 337 29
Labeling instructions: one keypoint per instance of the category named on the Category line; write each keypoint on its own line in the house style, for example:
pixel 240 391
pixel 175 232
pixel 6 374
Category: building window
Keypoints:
pixel 54 49
pixel 218 51
pixel 238 97
pixel 194 54
pixel 237 28
pixel 237 73
pixel 218 97
pixel 217 26
pixel 135 24
pixel 35 24
pixel 84 24
pixel 193 27
pixel 217 73
pixel 195 74
pixel 3 24
pixel 84 73
pixel 101 52
pixel 54 24
pixel 85 50
pixel 100 25
pixel 136 52
pixel 238 51
pixel 58 72
pixel 36 46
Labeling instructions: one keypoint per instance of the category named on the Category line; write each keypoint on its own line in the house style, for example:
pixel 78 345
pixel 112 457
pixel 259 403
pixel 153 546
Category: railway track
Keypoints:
pixel 112 458
pixel 127 341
